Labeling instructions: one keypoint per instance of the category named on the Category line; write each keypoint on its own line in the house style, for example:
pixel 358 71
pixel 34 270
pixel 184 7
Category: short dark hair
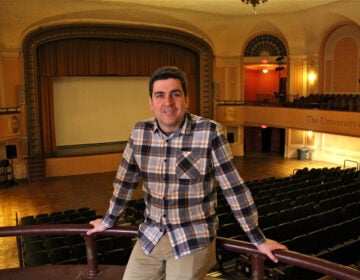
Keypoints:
pixel 167 72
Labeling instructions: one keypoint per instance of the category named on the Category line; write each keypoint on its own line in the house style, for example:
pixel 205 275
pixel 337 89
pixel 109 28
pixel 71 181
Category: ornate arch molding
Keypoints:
pixel 265 43
pixel 46 35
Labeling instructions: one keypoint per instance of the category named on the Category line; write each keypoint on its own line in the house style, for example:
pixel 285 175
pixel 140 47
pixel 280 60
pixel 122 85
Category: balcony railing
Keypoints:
pixel 93 271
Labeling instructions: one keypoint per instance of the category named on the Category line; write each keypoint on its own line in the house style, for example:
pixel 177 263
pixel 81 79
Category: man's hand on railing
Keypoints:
pixel 269 246
pixel 98 226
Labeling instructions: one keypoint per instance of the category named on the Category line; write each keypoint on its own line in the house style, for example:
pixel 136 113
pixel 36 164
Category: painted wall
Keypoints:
pixel 257 83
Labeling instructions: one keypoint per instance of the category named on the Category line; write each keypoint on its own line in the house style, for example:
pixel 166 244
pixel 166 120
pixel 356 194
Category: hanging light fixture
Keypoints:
pixel 254 3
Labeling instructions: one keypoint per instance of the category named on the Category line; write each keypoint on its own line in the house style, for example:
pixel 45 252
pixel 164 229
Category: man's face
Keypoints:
pixel 169 104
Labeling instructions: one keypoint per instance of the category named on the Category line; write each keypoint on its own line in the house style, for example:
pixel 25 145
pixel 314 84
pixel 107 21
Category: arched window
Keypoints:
pixel 265 45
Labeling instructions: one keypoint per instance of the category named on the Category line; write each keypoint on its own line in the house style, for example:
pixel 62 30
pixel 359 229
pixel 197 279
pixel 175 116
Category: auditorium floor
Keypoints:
pixel 94 191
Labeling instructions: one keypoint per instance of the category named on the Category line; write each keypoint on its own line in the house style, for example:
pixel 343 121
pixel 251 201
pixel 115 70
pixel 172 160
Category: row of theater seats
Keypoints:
pixel 328 101
pixel 303 178
pixel 71 216
pixel 313 214
pixel 301 190
pixel 295 200
pixel 289 229
pixel 346 253
pixel 58 250
pixel 69 249
pixel 333 172
pixel 313 202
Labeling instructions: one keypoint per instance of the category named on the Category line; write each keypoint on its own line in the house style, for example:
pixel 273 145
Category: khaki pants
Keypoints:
pixel 161 263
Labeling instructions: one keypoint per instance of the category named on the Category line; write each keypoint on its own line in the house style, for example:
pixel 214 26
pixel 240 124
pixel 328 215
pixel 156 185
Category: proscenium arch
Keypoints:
pixel 265 43
pixel 118 32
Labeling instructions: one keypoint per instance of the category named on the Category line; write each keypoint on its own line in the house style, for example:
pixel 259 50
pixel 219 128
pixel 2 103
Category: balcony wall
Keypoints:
pixel 334 134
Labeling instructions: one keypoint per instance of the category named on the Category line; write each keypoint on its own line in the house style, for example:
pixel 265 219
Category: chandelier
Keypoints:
pixel 254 3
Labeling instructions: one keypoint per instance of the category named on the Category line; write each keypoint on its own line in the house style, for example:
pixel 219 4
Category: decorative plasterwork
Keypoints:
pixel 265 44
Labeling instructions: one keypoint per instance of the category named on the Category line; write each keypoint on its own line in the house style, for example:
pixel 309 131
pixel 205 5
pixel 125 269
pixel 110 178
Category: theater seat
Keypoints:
pixel 285 231
pixel 37 258
pixel 116 257
pixel 104 244
pixel 301 244
pixel 27 220
pixel 231 230
pixel 60 254
pixel 34 246
pixel 78 251
pixel 54 242
pixel 73 239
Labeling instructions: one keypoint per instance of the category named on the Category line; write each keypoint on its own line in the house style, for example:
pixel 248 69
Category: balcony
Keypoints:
pixel 92 270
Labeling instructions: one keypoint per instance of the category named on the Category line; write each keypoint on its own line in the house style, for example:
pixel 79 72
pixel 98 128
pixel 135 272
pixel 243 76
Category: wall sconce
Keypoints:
pixel 312 77
pixel 310 138
pixel 265 71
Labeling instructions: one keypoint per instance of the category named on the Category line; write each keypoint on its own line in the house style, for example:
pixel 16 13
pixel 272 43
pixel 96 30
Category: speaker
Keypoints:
pixel 230 137
pixel 282 85
pixel 11 151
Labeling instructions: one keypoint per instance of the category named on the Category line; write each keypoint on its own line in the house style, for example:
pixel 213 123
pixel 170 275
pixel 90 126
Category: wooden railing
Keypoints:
pixel 257 259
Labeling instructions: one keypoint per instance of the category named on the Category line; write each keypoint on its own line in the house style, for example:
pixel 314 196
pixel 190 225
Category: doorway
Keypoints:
pixel 264 139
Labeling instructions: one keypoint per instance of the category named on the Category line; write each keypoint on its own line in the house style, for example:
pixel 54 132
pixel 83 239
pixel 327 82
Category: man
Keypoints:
pixel 178 156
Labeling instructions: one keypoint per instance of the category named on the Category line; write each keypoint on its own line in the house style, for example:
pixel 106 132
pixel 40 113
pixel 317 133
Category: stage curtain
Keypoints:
pixel 47 113
pixel 106 57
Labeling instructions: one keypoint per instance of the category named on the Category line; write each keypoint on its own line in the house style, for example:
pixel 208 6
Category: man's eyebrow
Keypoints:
pixel 177 90
pixel 171 91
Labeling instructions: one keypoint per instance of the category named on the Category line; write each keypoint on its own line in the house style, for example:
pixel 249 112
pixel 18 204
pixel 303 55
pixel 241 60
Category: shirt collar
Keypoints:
pixel 187 124
pixel 185 127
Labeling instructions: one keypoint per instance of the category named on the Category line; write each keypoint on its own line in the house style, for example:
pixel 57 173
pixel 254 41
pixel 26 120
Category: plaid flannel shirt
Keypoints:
pixel 178 173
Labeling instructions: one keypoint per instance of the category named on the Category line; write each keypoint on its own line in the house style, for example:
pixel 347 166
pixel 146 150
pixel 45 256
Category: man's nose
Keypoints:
pixel 169 99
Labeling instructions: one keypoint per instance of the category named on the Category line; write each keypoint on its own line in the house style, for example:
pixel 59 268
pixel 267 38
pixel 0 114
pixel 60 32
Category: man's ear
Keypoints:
pixel 150 103
pixel 187 101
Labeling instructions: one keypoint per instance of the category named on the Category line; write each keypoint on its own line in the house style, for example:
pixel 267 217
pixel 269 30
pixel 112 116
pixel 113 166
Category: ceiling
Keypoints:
pixel 229 7
pixel 225 8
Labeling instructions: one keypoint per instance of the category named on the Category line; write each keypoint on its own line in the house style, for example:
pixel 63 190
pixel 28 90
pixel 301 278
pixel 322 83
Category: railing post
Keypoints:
pixel 91 255
pixel 257 264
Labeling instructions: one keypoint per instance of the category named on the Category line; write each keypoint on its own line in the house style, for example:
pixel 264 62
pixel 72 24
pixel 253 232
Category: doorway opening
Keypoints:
pixel 264 140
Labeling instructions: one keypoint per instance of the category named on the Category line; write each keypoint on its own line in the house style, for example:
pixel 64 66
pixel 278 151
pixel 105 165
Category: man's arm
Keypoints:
pixel 125 182
pixel 239 196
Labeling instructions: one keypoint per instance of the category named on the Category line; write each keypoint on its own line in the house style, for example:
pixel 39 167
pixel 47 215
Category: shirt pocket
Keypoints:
pixel 188 165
